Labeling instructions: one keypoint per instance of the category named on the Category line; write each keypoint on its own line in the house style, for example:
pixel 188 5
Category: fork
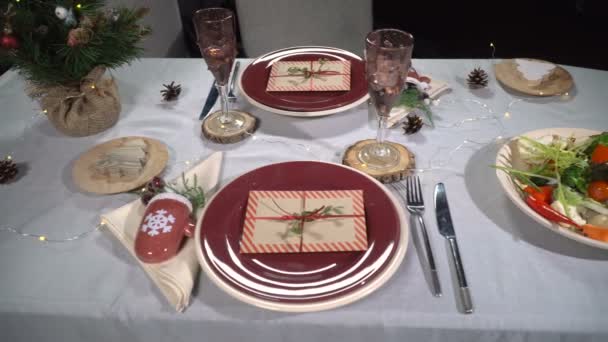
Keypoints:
pixel 235 72
pixel 415 205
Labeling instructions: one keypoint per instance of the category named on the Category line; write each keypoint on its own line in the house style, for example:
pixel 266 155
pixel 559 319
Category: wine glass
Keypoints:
pixel 388 54
pixel 215 30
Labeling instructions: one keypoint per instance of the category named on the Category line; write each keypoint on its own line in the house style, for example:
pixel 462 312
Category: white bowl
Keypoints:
pixel 503 158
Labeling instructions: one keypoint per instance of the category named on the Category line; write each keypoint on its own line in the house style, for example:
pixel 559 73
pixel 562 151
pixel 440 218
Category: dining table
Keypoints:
pixel 527 283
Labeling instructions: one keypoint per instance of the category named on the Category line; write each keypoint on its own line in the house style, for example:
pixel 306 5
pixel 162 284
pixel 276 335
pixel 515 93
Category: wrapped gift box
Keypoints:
pixel 319 75
pixel 304 221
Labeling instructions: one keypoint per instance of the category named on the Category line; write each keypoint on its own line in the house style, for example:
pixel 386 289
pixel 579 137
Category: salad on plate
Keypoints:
pixel 564 179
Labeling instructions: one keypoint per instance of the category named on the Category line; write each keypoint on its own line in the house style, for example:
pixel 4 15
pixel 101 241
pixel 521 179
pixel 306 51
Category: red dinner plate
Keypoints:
pixel 254 79
pixel 300 281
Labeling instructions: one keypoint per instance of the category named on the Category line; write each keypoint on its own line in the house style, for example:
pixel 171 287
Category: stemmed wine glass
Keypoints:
pixel 388 54
pixel 215 29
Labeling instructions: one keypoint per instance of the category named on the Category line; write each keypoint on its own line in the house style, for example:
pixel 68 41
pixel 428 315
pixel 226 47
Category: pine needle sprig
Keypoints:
pixel 45 59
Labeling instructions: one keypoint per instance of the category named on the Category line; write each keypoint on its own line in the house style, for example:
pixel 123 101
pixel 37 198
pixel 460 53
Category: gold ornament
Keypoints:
pixel 78 36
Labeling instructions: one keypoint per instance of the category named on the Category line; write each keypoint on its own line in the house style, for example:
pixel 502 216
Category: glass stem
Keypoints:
pixel 225 117
pixel 379 148
pixel 382 129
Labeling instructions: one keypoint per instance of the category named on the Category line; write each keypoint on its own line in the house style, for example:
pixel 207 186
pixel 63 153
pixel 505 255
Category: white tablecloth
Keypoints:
pixel 528 284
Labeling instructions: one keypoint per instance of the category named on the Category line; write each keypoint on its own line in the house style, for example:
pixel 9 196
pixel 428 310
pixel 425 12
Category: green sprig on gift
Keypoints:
pixel 306 73
pixel 296 226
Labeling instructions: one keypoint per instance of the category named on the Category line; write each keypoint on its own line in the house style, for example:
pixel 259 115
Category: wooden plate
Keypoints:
pixel 86 180
pixel 558 83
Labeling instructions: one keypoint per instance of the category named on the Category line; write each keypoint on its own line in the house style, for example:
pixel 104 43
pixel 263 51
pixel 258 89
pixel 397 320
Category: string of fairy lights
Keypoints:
pixel 488 115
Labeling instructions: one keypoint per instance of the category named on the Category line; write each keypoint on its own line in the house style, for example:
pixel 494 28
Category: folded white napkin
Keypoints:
pixel 176 276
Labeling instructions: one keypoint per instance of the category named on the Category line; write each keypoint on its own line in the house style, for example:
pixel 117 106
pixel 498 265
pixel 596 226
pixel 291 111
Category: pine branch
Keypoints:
pixel 44 58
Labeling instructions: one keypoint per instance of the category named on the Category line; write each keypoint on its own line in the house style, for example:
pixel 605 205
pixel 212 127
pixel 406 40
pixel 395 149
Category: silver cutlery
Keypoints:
pixel 235 72
pixel 415 205
pixel 214 92
pixel 446 228
pixel 210 102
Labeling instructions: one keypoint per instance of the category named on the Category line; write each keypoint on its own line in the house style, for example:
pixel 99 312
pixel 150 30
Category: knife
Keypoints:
pixel 211 99
pixel 446 228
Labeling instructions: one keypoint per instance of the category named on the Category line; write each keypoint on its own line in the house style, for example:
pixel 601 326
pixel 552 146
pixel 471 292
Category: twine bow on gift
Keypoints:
pixel 297 220
pixel 309 74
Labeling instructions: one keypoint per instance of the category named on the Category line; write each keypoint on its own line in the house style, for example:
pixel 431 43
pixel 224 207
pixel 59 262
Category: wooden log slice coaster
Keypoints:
pixel 213 131
pixel 394 174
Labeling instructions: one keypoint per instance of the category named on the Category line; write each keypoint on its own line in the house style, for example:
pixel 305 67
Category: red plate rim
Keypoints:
pixel 389 265
pixel 259 98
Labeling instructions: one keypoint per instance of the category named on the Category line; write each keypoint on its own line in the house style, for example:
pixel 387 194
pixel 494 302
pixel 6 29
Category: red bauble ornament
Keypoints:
pixel 9 42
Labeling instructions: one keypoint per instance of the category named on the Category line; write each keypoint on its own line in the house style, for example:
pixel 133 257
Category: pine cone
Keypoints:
pixel 478 78
pixel 8 171
pixel 78 36
pixel 152 188
pixel 171 92
pixel 413 124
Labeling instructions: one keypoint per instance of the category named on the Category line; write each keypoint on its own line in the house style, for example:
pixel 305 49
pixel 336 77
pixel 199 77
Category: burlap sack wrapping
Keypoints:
pixel 81 110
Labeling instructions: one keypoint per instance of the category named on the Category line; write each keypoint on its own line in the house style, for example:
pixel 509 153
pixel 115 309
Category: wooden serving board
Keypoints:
pixel 557 83
pixel 85 177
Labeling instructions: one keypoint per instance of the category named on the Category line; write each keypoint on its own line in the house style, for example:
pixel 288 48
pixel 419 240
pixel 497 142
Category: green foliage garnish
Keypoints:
pixel 412 98
pixel 576 177
pixel 194 193
pixel 527 178
pixel 305 73
pixel 552 156
pixel 296 226
pixel 593 141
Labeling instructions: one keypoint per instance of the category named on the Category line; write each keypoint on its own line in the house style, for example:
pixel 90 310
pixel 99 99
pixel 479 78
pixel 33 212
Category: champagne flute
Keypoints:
pixel 215 30
pixel 388 54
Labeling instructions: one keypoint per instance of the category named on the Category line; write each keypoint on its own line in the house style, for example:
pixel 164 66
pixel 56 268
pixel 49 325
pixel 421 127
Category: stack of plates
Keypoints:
pixel 254 78
pixel 300 281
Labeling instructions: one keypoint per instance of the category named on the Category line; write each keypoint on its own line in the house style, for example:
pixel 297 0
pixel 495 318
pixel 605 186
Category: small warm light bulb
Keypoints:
pixel 45 111
pixel 9 157
pixel 491 44
pixel 79 6
pixel 507 115
pixel 187 162
pixel 42 238
pixel 92 86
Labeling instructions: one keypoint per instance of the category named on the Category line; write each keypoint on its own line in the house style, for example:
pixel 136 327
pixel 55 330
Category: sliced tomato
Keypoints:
pixel 600 154
pixel 598 190
pixel 543 193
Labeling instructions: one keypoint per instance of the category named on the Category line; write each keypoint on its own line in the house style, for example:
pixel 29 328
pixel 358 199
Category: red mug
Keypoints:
pixel 165 223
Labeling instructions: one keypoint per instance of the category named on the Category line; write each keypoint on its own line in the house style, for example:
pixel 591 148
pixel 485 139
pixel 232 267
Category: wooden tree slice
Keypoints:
pixel 394 174
pixel 212 130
